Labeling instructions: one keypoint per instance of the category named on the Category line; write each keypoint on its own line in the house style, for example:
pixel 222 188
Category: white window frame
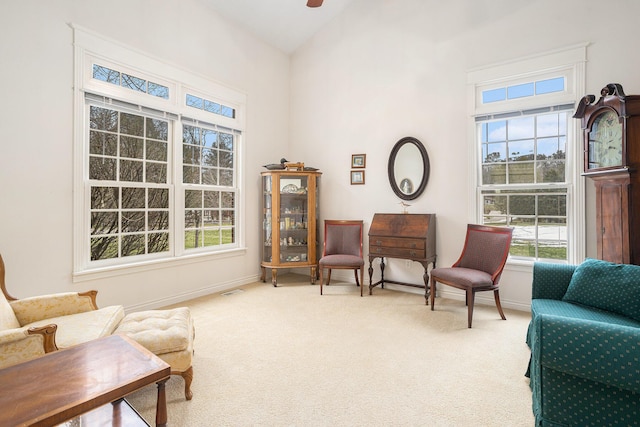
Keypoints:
pixel 569 62
pixel 90 48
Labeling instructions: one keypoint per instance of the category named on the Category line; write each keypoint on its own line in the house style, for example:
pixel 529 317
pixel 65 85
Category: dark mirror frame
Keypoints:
pixel 425 168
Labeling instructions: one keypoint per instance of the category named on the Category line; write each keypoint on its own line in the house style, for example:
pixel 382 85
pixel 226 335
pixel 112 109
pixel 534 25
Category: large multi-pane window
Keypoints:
pixel 131 207
pixel 524 184
pixel 208 174
pixel 526 154
pixel 129 192
pixel 157 161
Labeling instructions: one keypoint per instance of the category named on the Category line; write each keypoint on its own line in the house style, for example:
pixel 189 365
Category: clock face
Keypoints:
pixel 605 141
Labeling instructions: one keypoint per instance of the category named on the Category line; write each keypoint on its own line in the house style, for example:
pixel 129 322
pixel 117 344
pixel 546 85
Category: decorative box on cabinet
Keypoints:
pixel 404 236
pixel 289 221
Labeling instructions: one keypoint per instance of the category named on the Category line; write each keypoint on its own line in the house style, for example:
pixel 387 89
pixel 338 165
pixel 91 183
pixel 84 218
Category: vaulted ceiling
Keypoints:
pixel 285 24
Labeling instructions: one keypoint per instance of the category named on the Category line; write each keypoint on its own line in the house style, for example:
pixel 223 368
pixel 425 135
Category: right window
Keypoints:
pixel 527 160
pixel 523 180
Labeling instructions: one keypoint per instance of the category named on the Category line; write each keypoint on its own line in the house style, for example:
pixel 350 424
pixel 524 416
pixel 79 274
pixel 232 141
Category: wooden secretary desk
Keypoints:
pixel 404 236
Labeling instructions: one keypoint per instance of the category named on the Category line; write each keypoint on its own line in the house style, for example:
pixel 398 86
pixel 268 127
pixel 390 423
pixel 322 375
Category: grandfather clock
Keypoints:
pixel 611 132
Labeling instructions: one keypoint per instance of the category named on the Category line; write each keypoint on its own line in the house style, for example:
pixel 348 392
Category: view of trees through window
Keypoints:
pixel 129 194
pixel 522 158
pixel 128 171
pixel 155 160
pixel 208 163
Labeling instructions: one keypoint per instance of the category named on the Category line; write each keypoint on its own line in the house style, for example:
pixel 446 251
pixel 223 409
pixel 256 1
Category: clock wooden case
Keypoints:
pixel 611 134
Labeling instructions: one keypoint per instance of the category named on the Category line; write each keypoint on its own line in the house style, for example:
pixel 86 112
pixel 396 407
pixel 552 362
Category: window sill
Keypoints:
pixel 121 270
pixel 524 265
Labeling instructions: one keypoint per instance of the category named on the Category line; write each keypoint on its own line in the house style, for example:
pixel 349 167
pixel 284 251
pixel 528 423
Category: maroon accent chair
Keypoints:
pixel 480 266
pixel 342 249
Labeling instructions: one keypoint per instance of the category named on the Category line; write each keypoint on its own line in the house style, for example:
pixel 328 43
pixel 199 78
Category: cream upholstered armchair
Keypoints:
pixel 31 327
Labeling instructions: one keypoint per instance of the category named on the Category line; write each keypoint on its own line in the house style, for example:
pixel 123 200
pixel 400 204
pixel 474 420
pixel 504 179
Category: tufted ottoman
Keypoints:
pixel 168 334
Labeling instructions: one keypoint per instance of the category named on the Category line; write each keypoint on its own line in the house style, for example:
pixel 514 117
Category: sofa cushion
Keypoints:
pixel 82 327
pixel 567 309
pixel 575 311
pixel 607 286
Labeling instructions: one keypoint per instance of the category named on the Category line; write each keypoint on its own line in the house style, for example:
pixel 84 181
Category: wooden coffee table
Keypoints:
pixel 66 383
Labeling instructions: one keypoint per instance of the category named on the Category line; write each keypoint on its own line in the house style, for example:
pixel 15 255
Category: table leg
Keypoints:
pixel 161 407
pixel 117 411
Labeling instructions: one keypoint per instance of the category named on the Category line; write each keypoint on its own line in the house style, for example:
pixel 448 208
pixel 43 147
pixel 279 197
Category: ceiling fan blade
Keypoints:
pixel 314 3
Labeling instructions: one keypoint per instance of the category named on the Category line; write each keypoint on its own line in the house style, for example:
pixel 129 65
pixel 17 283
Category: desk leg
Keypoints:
pixel 161 407
pixel 381 281
pixel 425 278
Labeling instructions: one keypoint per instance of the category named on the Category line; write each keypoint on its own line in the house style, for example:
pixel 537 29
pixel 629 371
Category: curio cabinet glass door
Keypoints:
pixel 289 221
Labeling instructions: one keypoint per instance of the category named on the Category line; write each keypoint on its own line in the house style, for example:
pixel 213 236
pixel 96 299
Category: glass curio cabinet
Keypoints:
pixel 289 221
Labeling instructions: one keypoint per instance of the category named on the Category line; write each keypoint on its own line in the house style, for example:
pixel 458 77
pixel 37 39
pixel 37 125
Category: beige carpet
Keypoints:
pixel 287 356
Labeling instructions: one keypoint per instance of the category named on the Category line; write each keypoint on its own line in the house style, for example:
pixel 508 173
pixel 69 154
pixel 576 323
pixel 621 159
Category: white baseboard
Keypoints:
pixel 336 275
pixel 178 298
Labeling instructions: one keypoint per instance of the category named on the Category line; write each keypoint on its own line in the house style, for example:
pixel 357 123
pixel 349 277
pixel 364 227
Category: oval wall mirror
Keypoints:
pixel 408 168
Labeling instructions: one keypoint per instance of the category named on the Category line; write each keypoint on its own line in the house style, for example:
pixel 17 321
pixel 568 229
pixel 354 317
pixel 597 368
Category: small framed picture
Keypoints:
pixel 358 161
pixel 357 177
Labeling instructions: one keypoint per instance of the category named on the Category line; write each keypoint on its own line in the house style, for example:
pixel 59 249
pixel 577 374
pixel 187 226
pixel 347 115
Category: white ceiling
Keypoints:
pixel 285 24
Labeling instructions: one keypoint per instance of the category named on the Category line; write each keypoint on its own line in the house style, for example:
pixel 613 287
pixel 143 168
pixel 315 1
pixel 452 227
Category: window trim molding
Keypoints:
pixel 569 61
pixel 90 47
pixel 148 265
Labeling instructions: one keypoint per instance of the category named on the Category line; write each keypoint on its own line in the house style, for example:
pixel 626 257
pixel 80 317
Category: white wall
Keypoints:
pixel 386 69
pixel 382 70
pixel 36 127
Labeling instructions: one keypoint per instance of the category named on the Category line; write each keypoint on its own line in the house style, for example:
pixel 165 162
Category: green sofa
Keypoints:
pixel 584 338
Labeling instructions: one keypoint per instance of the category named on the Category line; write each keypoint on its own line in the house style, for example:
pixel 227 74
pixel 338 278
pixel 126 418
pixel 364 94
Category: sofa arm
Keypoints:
pixel 606 353
pixel 22 344
pixel 33 309
pixel 550 281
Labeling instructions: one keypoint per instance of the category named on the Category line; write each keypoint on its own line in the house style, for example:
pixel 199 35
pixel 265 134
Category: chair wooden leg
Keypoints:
pixel 496 295
pixel 328 276
pixel 320 278
pixel 432 293
pixel 355 272
pixel 470 300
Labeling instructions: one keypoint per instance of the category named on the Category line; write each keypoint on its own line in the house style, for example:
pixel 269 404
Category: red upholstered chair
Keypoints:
pixel 484 255
pixel 342 249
